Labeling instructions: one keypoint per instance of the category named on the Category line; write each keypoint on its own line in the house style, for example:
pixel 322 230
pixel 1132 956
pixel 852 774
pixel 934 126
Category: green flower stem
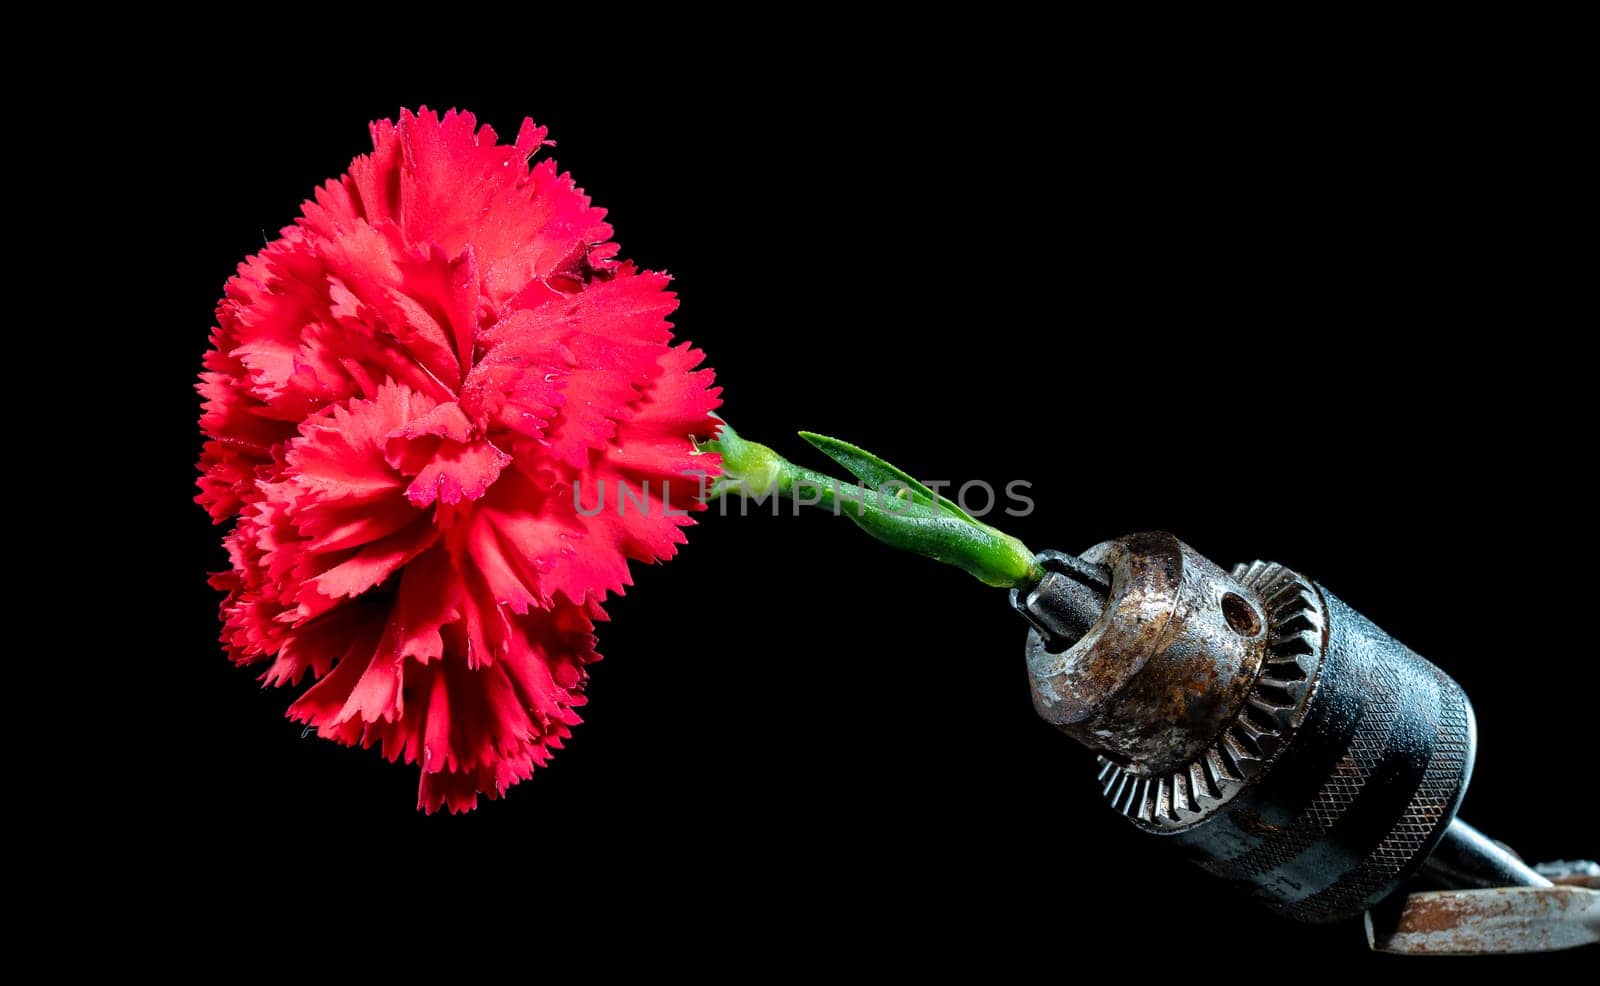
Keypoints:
pixel 884 501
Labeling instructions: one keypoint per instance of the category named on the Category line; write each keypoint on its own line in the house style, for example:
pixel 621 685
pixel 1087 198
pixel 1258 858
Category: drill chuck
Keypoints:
pixel 1274 734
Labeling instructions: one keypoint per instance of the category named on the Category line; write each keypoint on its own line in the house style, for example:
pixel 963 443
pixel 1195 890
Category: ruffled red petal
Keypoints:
pixel 403 394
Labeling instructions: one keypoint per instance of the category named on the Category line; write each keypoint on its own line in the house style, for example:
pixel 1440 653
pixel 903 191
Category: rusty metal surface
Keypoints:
pixel 1487 922
pixel 1181 797
pixel 1149 690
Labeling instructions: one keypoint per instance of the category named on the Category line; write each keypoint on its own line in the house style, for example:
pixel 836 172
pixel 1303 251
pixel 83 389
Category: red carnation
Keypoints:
pixel 402 391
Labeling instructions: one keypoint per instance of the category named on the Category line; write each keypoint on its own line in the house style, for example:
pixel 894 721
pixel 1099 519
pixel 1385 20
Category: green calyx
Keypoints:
pixel 884 501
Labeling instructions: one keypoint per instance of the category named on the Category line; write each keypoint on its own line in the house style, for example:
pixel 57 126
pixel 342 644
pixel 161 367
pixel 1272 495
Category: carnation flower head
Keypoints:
pixel 401 393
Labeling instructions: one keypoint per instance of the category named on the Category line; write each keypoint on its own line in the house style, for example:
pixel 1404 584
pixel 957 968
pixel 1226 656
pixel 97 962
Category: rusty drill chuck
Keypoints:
pixel 1277 736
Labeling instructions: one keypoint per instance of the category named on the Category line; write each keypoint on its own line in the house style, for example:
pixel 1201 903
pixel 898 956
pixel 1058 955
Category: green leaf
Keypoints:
pixel 871 469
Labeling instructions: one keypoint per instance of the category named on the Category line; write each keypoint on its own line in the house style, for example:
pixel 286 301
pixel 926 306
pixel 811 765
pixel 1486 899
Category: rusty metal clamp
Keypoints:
pixel 1497 920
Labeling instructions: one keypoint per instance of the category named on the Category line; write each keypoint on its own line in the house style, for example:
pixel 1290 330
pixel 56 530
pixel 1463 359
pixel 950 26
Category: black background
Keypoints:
pixel 1322 317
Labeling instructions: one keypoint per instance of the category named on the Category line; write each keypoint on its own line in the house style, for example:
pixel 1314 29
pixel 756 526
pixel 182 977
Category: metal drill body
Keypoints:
pixel 1360 793
pixel 1278 737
